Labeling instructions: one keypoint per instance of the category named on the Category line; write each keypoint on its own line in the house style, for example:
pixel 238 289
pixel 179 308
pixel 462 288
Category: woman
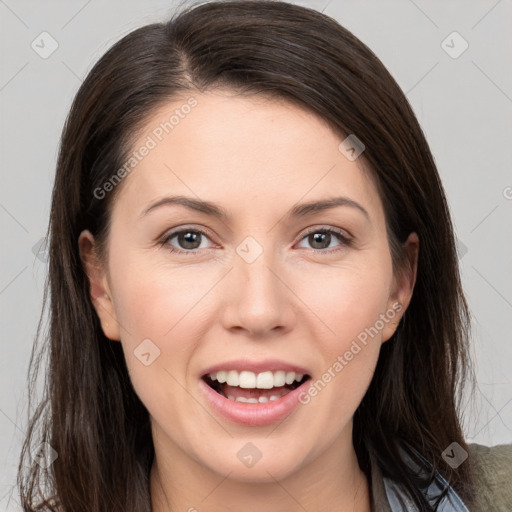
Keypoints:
pixel 254 294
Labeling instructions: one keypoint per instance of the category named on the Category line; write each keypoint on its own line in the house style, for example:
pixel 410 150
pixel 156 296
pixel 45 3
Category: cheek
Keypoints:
pixel 352 305
pixel 154 307
pixel 348 299
pixel 151 301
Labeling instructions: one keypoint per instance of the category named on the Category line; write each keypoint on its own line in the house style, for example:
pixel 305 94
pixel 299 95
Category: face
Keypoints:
pixel 271 302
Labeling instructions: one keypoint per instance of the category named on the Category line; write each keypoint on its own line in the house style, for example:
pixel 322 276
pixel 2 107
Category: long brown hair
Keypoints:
pixel 90 414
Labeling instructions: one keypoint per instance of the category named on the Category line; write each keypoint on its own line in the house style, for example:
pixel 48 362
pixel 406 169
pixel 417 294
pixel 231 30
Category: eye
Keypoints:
pixel 188 240
pixel 322 238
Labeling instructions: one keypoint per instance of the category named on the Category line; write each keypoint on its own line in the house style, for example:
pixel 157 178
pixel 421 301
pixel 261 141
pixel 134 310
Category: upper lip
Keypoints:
pixel 272 365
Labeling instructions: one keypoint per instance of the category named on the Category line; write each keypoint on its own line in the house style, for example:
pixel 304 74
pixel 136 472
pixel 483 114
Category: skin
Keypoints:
pixel 257 158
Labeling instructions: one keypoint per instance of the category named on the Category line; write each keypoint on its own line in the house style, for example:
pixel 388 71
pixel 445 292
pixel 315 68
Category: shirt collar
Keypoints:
pixel 387 495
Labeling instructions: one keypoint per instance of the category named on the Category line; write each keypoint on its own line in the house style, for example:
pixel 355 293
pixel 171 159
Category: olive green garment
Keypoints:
pixel 493 479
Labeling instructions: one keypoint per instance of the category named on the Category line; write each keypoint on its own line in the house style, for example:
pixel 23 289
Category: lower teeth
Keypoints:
pixel 261 399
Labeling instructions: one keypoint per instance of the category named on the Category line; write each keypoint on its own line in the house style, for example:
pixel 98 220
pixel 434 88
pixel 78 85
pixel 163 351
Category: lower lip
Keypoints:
pixel 253 415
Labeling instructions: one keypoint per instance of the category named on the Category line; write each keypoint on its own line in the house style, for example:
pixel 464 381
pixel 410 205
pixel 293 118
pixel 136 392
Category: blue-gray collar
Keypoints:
pixel 399 500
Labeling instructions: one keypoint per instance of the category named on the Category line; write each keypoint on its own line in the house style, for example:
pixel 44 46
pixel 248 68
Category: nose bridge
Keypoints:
pixel 260 302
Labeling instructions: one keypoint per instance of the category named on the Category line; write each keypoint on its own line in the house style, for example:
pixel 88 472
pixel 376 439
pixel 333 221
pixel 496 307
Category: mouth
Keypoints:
pixel 253 388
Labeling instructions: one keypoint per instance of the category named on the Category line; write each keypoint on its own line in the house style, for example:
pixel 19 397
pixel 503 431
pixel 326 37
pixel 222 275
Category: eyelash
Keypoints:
pixel 345 240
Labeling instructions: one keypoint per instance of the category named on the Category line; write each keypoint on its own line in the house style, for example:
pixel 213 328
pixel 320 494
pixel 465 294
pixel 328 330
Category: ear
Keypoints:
pixel 99 289
pixel 403 285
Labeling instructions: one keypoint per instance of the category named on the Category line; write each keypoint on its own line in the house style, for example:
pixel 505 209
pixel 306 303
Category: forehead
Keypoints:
pixel 244 152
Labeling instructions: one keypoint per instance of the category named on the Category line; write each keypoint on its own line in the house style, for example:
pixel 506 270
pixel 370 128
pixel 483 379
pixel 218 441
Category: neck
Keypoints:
pixel 334 479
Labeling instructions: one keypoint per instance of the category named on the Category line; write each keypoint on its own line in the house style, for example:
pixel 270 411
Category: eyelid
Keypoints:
pixel 339 231
pixel 164 239
pixel 345 237
pixel 191 227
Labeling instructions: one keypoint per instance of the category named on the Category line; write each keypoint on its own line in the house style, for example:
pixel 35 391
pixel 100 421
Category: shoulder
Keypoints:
pixel 493 477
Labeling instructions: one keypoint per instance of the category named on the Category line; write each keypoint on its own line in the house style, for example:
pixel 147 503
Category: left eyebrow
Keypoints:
pixel 312 207
pixel 300 210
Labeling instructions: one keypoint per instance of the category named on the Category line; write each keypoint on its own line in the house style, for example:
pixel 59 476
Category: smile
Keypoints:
pixel 252 388
pixel 253 397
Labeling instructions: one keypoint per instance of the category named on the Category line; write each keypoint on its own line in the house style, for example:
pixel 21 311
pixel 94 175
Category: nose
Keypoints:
pixel 259 301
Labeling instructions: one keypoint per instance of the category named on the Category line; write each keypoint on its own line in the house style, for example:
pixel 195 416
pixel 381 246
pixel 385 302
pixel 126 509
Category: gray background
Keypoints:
pixel 464 105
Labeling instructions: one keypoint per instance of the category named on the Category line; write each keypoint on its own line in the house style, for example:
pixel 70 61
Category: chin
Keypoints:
pixel 259 460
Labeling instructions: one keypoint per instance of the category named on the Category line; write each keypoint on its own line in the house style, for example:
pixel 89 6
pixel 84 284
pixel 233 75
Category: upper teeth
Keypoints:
pixel 264 380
